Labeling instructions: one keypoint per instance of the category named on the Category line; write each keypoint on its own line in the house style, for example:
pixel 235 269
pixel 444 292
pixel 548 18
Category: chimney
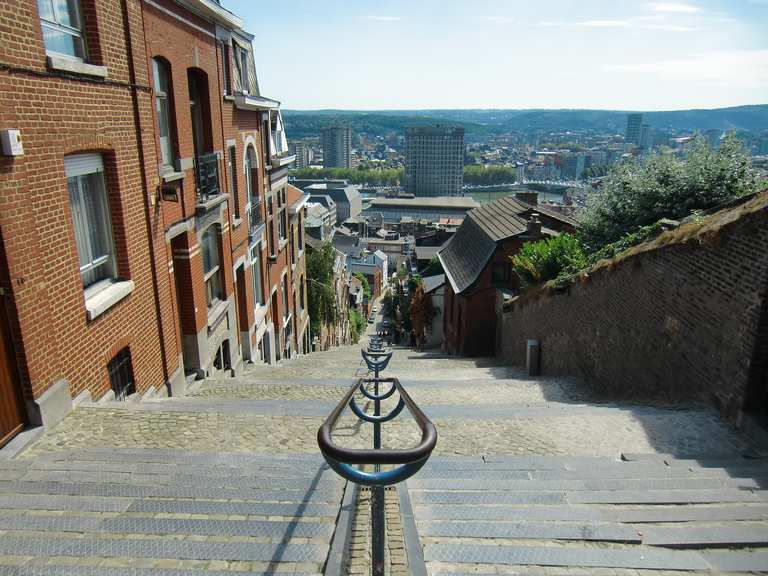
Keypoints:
pixel 534 225
pixel 528 196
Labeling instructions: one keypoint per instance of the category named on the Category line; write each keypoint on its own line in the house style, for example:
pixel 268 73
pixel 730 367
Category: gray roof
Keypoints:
pixel 433 282
pixel 453 202
pixel 472 246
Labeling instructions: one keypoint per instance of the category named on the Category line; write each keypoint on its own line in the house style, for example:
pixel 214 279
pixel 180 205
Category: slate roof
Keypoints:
pixel 472 246
pixel 433 282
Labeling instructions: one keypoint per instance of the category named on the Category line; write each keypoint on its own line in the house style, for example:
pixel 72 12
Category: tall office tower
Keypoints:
pixel 434 161
pixel 646 138
pixel 337 147
pixel 634 128
pixel 303 154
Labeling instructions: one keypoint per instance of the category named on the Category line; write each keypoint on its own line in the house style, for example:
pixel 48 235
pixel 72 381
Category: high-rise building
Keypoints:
pixel 434 160
pixel 646 138
pixel 634 128
pixel 337 147
pixel 303 154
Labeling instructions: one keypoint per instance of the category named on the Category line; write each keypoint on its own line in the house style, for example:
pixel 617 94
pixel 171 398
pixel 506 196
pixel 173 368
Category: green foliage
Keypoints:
pixel 356 325
pixel 643 234
pixel 374 177
pixel 637 194
pixel 320 293
pixel 366 286
pixel 544 260
pixel 433 268
pixel 487 175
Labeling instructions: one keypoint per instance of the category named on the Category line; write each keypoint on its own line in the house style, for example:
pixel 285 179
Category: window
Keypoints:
pixel 301 295
pixel 162 75
pixel 301 233
pixel 258 294
pixel 271 238
pixel 251 176
pixel 282 224
pixel 62 27
pixel 501 273
pixel 120 370
pixel 226 67
pixel 286 312
pixel 211 268
pixel 233 177
pixel 90 217
pixel 293 247
pixel 241 68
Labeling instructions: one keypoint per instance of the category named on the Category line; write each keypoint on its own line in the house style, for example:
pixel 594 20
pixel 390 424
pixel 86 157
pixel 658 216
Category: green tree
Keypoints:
pixel 320 293
pixel 640 193
pixel 545 260
pixel 366 286
pixel 356 325
pixel 489 175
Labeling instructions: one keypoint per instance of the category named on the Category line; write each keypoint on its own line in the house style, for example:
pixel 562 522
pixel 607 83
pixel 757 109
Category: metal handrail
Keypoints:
pixel 335 454
pixel 407 461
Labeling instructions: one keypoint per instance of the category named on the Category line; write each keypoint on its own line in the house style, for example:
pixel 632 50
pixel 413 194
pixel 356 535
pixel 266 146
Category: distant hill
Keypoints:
pixel 480 123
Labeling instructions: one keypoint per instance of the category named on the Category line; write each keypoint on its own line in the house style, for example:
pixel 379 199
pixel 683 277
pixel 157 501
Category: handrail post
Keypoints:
pixel 378 519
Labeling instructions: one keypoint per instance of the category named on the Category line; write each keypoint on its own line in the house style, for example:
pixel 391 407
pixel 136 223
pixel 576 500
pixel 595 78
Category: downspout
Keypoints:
pixel 144 182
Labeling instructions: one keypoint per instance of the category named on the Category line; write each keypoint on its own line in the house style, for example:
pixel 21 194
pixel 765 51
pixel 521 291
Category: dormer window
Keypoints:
pixel 62 27
pixel 240 56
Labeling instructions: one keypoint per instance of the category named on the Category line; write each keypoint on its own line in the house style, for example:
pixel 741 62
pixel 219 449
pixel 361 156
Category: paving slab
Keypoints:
pixel 707 536
pixel 49 570
pixel 531 530
pixel 165 506
pixel 553 556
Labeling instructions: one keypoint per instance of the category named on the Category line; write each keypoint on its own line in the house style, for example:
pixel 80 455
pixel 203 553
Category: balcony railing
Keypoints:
pixel 255 219
pixel 207 177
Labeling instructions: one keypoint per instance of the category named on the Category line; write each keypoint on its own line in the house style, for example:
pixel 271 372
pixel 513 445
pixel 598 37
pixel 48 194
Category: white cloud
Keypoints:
pixel 382 18
pixel 590 24
pixel 498 19
pixel 673 7
pixel 735 68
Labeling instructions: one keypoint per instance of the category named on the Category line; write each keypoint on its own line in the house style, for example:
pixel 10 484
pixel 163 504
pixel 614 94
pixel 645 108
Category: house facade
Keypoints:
pixel 145 219
pixel 477 264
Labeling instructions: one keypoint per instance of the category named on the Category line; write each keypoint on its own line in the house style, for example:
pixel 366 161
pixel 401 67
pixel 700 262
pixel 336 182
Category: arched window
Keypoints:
pixel 162 80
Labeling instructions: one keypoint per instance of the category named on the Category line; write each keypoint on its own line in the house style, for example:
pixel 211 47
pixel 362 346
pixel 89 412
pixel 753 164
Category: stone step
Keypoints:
pixel 67 570
pixel 637 557
pixel 500 484
pixel 164 506
pixel 744 534
pixel 588 513
pixel 327 481
pixel 172 456
pixel 193 470
pixel 136 491
pixel 161 548
pixel 531 530
pixel 63 503
pixel 275 530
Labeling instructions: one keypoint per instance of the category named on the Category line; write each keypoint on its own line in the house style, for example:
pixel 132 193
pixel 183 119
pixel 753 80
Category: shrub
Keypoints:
pixel 356 325
pixel 545 260
pixel 640 193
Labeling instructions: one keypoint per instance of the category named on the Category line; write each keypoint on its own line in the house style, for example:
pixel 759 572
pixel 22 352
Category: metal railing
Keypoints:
pixel 207 177
pixel 405 462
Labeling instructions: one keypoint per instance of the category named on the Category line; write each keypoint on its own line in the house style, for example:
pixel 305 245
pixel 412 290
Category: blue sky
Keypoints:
pixel 411 54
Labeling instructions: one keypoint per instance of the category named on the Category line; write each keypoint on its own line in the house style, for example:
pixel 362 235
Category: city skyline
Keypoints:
pixel 494 54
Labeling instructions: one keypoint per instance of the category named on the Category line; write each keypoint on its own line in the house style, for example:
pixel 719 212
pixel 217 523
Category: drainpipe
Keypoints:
pixel 144 182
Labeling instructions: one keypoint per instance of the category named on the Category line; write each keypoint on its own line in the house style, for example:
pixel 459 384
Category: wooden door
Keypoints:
pixel 11 413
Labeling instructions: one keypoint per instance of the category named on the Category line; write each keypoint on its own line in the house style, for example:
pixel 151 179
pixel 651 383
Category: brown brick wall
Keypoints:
pixel 59 115
pixel 680 320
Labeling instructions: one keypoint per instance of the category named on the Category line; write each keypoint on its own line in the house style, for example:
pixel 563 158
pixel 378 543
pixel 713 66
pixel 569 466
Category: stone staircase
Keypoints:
pixel 547 515
pixel 121 512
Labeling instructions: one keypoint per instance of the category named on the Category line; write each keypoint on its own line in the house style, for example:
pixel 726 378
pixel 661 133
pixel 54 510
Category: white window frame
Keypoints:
pixel 56 25
pixel 212 277
pixel 164 114
pixel 258 291
pixel 77 167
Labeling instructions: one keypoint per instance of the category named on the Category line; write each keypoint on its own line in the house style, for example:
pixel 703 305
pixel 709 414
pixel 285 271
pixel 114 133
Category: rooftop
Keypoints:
pixel 454 202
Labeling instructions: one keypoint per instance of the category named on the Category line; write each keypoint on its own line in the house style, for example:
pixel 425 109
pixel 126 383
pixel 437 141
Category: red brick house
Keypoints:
pixel 476 263
pixel 147 220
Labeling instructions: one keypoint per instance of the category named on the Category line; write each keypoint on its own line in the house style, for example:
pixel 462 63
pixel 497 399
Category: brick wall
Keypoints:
pixel 683 317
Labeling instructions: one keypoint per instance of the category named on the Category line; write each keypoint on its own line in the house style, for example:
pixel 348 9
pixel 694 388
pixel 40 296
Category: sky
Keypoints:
pixel 438 54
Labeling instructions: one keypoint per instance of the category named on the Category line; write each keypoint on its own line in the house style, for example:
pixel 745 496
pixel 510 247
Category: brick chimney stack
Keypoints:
pixel 534 225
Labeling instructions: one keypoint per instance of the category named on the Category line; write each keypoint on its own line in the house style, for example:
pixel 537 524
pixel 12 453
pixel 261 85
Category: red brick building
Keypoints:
pixel 476 263
pixel 147 225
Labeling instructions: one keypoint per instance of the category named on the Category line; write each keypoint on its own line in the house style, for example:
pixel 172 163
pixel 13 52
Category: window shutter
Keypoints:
pixel 80 164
